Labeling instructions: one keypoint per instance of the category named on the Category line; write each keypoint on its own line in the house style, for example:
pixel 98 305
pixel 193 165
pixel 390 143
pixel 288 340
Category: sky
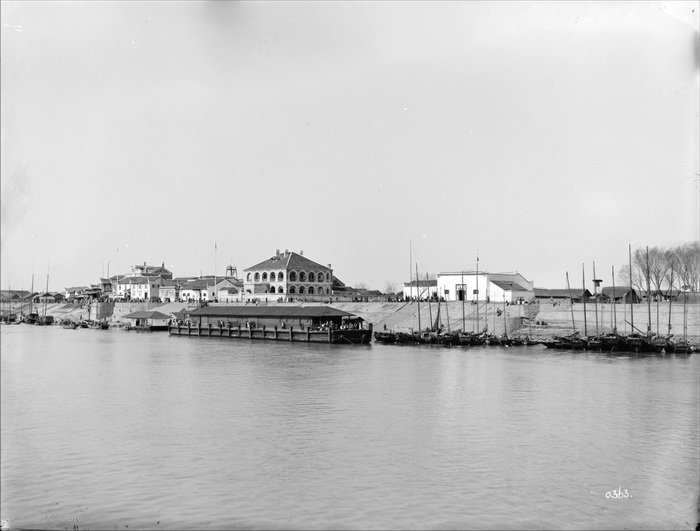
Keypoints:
pixel 373 136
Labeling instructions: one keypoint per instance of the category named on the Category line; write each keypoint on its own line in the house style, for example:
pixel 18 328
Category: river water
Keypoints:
pixel 114 429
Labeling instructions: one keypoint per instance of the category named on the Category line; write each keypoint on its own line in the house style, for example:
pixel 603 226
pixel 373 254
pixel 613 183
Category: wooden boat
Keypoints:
pixel 385 337
pixel 613 342
pixel 68 324
pixel 682 346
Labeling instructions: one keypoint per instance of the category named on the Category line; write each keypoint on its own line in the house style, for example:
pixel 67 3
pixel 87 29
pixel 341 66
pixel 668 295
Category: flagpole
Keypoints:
pixel 215 249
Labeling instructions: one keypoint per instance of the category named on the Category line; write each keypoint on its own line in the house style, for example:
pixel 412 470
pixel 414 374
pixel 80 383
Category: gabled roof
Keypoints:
pixel 617 291
pixel 133 280
pixel 507 285
pixel 147 314
pixel 561 293
pixel 194 284
pixel 287 260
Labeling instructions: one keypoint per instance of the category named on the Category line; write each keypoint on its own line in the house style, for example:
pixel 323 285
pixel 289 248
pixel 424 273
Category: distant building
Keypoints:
pixel 619 294
pixel 289 275
pixel 565 294
pixel 484 286
pixel 150 271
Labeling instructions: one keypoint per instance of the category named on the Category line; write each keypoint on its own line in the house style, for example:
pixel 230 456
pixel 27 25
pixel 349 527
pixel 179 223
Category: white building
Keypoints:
pixel 494 287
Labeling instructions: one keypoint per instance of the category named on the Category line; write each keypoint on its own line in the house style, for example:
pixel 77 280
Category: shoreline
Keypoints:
pixel 540 320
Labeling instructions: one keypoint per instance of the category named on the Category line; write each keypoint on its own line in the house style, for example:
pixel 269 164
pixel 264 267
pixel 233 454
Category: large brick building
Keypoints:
pixel 289 275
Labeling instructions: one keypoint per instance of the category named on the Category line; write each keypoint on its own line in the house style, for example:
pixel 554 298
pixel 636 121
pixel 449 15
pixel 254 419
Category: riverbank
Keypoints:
pixel 542 320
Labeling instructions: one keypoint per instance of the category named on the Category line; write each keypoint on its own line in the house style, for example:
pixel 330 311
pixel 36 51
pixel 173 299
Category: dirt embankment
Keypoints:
pixel 537 320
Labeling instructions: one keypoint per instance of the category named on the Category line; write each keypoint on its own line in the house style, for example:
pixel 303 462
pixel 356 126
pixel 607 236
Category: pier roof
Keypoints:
pixel 289 312
pixel 147 314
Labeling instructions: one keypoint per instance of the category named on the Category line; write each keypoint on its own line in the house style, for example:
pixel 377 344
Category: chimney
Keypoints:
pixel 277 252
pixel 301 253
pixel 329 266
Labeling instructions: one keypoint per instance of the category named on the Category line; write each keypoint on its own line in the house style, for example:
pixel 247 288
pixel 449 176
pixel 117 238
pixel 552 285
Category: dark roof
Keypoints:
pixel 617 291
pixel 508 285
pixel 561 293
pixel 133 280
pixel 289 312
pixel 147 314
pixel 288 260
pixel 194 284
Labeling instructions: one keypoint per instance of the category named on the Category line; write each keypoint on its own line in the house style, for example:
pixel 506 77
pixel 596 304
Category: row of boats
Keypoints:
pixel 457 338
pixel 614 342
pixel 611 342
pixel 71 324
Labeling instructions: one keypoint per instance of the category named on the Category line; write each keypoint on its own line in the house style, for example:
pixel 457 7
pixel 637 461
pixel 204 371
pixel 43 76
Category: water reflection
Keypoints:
pixel 153 432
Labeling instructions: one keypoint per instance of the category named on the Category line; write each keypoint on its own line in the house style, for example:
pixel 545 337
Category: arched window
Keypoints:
pixel 292 276
pixel 302 277
pixel 292 289
pixel 272 277
pixel 312 277
pixel 247 277
pixel 280 290
pixel 321 291
pixel 311 290
pixel 272 289
pixel 301 290
pixel 257 277
pixel 264 277
pixel 280 277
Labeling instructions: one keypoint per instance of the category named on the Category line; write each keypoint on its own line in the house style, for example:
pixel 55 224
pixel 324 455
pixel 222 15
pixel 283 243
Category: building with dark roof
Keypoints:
pixel 577 295
pixel 288 275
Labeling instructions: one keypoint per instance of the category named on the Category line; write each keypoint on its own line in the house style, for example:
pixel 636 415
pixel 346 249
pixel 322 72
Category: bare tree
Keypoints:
pixel 655 268
pixel 659 267
pixel 390 287
pixel 687 258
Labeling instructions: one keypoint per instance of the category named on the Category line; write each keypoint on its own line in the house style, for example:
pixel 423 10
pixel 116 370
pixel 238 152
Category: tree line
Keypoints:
pixel 662 270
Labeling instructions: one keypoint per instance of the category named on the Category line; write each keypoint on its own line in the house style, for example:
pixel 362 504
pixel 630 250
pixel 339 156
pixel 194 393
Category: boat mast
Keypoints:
pixel 464 296
pixel 418 298
pixel 476 292
pixel 631 291
pixel 648 295
pixel 583 298
pixel 46 293
pixel 31 298
pixel 595 299
pixel 430 307
pixel 613 302
pixel 571 302
pixel 447 314
pixel 670 299
pixel 410 268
